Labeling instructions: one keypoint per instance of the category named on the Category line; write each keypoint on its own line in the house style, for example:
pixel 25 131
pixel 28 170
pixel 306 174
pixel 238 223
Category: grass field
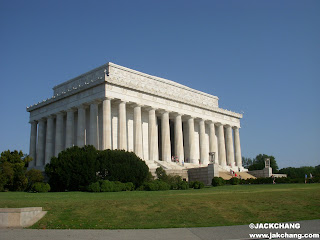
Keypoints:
pixel 228 205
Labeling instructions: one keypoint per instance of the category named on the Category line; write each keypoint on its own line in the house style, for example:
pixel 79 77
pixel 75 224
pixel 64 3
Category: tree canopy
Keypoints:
pixel 13 167
pixel 300 172
pixel 76 168
pixel 258 163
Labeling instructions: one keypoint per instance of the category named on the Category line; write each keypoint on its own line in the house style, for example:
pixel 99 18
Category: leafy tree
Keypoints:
pixel 317 171
pixel 300 172
pixel 76 168
pixel 161 174
pixel 259 163
pixel 119 165
pixel 13 167
pixel 73 169
pixel 34 176
pixel 246 162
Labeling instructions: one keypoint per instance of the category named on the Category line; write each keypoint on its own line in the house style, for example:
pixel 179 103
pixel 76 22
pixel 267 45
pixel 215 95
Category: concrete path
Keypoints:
pixel 208 233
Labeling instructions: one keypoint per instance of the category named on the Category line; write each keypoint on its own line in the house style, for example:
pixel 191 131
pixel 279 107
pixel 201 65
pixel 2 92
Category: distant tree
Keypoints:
pixel 300 172
pixel 259 163
pixel 246 162
pixel 13 167
pixel 317 170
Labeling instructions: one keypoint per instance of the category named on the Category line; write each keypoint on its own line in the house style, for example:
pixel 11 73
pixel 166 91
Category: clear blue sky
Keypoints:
pixel 259 57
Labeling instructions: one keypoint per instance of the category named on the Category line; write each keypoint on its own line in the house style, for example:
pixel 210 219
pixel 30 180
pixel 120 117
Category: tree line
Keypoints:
pixel 258 163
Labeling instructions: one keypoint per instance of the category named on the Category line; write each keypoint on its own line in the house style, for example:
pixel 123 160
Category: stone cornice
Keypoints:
pixel 62 95
pixel 133 79
pixel 87 74
pixel 129 78
pixel 159 79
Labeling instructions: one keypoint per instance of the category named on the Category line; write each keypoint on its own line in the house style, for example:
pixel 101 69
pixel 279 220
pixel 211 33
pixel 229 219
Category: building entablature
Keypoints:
pixel 128 79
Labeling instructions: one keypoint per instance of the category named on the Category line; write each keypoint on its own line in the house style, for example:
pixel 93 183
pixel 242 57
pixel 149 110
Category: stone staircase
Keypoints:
pixel 177 169
pixel 227 175
pixel 245 175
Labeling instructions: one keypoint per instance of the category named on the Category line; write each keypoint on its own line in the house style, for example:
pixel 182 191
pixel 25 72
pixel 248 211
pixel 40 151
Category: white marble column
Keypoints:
pixel 33 143
pixel 41 143
pixel 237 146
pixel 106 125
pixel 204 154
pixel 93 138
pixel 122 126
pixel 165 132
pixel 153 135
pixel 137 128
pixel 229 147
pixel 81 136
pixel 49 139
pixel 221 146
pixel 59 134
pixel 192 141
pixel 70 128
pixel 212 139
pixel 178 138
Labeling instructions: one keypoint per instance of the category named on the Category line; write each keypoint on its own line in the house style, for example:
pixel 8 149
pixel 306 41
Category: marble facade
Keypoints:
pixel 113 107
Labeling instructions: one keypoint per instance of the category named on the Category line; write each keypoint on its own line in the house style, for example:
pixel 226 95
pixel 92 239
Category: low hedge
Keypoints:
pixel 234 181
pixel 196 185
pixel 268 180
pixel 40 187
pixel 110 186
pixel 218 181
pixel 156 185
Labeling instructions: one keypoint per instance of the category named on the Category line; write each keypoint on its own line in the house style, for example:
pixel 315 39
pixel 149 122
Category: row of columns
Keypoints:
pixel 50 143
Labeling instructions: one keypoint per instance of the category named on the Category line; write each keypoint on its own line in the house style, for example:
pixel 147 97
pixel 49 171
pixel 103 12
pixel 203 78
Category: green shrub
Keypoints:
pixel 183 185
pixel 75 168
pixel 40 187
pixel 174 181
pixel 129 186
pixel 94 187
pixel 196 185
pixel 218 181
pixel 156 185
pixel 243 181
pixel 290 180
pixel 33 176
pixel 106 186
pixel 250 181
pixel 119 165
pixel 149 177
pixel 142 187
pixel 262 180
pixel 234 181
pixel 161 174
pixel 119 186
pixel 162 186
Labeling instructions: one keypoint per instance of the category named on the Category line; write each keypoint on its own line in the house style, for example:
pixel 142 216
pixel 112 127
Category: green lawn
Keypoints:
pixel 228 205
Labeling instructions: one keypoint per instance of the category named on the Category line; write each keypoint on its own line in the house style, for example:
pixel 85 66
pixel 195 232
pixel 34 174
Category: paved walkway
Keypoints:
pixel 208 233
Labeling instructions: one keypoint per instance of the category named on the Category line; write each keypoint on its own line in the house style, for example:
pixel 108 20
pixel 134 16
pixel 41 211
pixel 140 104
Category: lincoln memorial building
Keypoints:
pixel 113 107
